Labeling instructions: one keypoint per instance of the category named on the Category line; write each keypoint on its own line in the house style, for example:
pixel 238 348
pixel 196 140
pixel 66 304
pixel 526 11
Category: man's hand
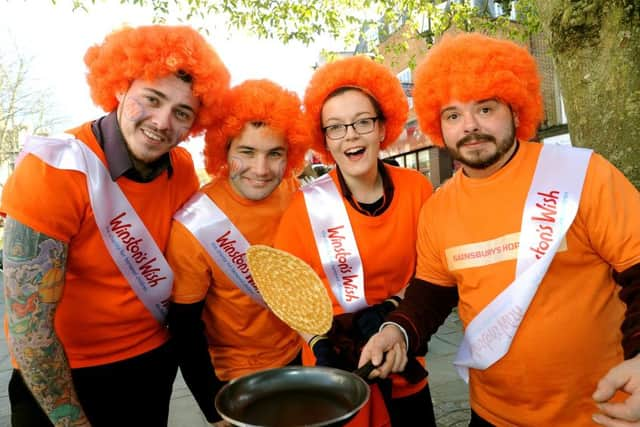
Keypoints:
pixel 390 341
pixel 222 423
pixel 625 377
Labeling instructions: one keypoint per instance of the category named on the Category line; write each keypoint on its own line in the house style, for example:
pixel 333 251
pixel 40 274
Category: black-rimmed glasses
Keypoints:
pixel 361 126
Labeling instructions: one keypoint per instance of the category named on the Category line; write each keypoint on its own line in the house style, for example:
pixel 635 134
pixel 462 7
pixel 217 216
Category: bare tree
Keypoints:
pixel 23 107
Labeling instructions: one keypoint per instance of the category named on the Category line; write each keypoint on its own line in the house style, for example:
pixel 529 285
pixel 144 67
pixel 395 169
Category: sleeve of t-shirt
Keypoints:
pixel 185 174
pixel 430 264
pixel 609 211
pixel 188 260
pixel 49 200
pixel 294 233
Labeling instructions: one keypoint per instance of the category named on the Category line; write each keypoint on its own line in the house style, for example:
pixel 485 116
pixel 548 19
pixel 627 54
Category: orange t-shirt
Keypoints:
pixel 99 319
pixel 570 336
pixel 243 336
pixel 385 243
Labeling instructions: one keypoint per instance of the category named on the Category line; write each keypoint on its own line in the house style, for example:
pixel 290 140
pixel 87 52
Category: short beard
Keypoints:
pixel 501 149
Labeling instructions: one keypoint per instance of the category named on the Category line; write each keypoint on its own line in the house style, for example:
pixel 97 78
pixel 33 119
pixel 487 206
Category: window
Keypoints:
pixel 410 160
pixel 423 161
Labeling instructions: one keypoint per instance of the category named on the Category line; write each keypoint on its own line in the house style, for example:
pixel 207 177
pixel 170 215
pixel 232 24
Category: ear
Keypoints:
pixel 516 119
pixel 383 131
pixel 120 97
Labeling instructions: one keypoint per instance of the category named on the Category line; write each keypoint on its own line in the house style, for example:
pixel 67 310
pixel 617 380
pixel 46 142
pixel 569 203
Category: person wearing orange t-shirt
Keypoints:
pixel 87 221
pixel 366 214
pixel 219 321
pixel 537 244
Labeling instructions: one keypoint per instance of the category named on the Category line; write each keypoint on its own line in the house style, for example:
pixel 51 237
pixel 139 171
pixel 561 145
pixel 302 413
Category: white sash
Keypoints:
pixel 132 248
pixel 550 208
pixel 335 242
pixel 221 239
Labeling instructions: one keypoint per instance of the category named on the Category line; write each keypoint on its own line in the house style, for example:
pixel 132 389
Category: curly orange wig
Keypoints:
pixel 472 66
pixel 155 51
pixel 363 73
pixel 257 101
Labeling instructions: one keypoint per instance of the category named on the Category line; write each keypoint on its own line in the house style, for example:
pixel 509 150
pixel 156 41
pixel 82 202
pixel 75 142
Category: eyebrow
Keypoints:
pixel 164 97
pixel 356 116
pixel 482 101
pixel 248 147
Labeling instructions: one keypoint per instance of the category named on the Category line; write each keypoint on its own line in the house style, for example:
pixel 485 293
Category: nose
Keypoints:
pixel 162 118
pixel 470 123
pixel 351 131
pixel 261 165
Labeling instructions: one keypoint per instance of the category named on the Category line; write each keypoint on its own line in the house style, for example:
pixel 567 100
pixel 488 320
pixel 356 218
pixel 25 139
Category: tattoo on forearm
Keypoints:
pixel 34 266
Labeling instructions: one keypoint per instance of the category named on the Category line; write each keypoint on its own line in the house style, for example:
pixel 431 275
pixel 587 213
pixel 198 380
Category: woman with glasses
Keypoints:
pixel 356 226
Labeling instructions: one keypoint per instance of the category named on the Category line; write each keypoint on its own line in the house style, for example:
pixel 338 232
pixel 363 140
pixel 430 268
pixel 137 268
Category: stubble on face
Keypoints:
pixel 134 111
pixel 476 160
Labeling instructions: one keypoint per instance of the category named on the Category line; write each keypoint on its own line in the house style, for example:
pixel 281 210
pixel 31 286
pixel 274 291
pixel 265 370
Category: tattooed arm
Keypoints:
pixel 34 266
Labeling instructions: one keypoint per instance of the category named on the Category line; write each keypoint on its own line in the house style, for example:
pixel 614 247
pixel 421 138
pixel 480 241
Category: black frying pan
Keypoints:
pixel 294 396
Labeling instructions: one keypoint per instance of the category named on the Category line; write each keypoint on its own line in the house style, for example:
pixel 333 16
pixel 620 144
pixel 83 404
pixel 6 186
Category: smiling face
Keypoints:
pixel 479 134
pixel 356 154
pixel 155 116
pixel 257 159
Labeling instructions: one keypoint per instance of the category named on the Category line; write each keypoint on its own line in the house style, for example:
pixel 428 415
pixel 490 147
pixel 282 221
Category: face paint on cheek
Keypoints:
pixel 236 167
pixel 181 133
pixel 134 111
pixel 282 165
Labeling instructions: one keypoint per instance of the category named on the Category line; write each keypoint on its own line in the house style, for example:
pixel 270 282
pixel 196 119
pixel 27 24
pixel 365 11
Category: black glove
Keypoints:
pixel 367 321
pixel 324 351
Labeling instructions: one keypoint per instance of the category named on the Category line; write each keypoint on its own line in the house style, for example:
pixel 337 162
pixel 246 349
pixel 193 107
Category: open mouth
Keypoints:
pixel 354 152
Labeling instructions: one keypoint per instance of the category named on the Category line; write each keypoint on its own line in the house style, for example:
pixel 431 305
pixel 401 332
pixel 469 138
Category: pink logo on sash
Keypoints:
pixel 236 256
pixel 547 215
pixel 505 325
pixel 341 257
pixel 131 244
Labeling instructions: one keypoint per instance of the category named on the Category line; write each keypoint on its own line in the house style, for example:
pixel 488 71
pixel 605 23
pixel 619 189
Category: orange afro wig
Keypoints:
pixel 363 73
pixel 258 101
pixel 471 66
pixel 155 51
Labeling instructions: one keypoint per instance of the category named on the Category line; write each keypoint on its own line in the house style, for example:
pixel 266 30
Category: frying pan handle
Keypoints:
pixel 364 371
pixel 414 372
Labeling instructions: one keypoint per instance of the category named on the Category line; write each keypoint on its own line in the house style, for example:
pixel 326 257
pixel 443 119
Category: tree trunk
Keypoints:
pixel 596 51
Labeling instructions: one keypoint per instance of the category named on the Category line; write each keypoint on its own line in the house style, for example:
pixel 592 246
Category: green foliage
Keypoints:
pixel 351 21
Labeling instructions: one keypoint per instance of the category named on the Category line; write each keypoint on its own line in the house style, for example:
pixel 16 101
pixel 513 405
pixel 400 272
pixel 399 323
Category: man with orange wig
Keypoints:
pixel 88 218
pixel 221 325
pixel 540 242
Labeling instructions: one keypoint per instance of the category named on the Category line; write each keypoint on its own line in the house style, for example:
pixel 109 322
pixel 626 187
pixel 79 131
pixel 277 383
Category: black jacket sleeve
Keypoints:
pixel 424 308
pixel 629 280
pixel 187 329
